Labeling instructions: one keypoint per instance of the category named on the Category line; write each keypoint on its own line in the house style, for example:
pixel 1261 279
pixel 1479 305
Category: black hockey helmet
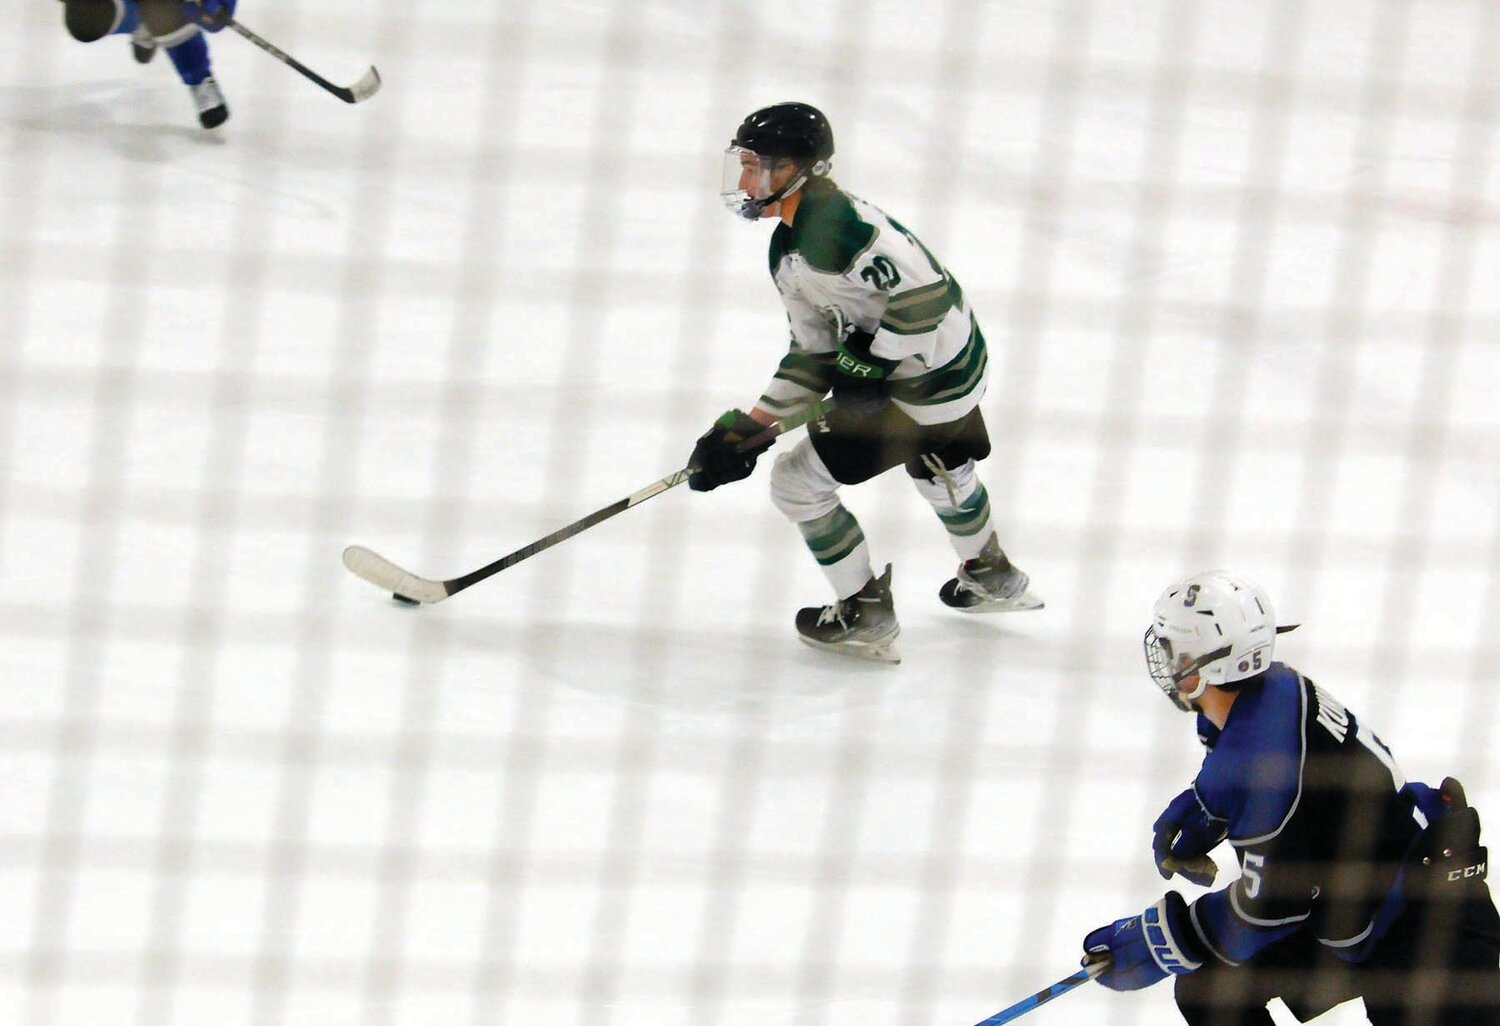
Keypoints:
pixel 796 131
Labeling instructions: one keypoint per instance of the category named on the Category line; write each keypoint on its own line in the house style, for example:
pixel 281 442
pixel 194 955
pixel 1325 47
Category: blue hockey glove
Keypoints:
pixel 1184 831
pixel 717 459
pixel 212 15
pixel 1145 949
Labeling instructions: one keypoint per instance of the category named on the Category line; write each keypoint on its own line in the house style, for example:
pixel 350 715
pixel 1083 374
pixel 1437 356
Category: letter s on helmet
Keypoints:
pixel 1215 624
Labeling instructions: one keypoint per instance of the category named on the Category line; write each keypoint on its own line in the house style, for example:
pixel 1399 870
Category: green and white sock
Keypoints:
pixel 838 544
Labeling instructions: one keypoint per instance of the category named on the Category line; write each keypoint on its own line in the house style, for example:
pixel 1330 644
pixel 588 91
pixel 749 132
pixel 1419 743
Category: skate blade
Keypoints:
pixel 883 651
pixel 1017 604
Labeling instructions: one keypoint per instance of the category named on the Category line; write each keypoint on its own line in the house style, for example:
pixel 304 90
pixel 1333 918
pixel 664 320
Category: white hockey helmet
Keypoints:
pixel 1214 624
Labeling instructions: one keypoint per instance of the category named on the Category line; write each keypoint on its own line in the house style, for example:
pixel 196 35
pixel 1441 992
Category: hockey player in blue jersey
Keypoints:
pixel 172 25
pixel 1353 882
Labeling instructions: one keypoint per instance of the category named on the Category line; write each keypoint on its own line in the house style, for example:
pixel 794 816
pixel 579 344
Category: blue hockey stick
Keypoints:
pixel 1041 997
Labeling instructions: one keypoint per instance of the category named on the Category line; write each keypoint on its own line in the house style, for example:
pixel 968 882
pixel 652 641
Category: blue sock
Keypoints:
pixel 190 57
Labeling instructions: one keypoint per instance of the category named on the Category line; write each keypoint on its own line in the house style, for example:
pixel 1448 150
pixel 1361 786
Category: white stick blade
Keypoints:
pixel 367 86
pixel 382 573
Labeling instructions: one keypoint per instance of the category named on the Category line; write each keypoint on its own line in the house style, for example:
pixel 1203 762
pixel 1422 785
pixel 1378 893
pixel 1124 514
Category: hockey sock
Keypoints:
pixel 838 544
pixel 963 505
pixel 970 525
pixel 190 57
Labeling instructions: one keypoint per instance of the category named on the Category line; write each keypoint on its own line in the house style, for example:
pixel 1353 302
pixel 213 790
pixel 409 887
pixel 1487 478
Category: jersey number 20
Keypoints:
pixel 882 274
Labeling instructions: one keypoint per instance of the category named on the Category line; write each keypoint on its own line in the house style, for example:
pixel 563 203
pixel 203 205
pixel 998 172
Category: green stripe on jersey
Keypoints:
pixel 780 407
pixel 923 308
pixel 812 371
pixel 826 230
pixel 953 380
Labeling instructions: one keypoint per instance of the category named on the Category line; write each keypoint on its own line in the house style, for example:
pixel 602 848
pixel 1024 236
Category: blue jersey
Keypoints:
pixel 1320 818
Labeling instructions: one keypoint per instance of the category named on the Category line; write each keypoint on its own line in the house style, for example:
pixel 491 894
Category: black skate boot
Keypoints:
pixel 142 45
pixel 989 584
pixel 212 110
pixel 862 625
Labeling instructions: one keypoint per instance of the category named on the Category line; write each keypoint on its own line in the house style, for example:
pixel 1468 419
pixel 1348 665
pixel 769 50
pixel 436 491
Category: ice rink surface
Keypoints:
pixel 1237 264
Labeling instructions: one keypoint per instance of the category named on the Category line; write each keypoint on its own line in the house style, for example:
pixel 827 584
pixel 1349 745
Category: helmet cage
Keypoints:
pixel 1214 626
pixel 1167 673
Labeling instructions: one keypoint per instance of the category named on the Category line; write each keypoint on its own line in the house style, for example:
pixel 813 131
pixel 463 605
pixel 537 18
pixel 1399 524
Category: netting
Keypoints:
pixel 1235 264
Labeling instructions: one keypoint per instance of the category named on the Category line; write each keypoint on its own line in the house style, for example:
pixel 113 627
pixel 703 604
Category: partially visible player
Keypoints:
pixel 877 321
pixel 172 25
pixel 1353 882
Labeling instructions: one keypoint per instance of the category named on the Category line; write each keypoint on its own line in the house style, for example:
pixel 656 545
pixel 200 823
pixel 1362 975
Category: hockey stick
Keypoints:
pixel 1041 997
pixel 1201 864
pixel 413 590
pixel 367 86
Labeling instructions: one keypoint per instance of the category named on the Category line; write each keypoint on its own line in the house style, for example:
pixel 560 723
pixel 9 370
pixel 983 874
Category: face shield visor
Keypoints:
pixel 751 182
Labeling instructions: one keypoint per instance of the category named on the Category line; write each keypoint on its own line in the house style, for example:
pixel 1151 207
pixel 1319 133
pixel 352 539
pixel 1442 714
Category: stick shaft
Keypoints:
pixel 672 480
pixel 284 57
pixel 375 568
pixel 361 91
pixel 1041 997
pixel 655 488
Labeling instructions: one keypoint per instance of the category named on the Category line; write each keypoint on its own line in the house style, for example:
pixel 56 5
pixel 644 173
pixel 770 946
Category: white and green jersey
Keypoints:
pixel 843 265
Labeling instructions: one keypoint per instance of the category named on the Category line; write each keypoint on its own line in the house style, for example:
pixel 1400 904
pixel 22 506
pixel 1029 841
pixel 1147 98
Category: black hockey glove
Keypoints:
pixel 717 459
pixel 861 385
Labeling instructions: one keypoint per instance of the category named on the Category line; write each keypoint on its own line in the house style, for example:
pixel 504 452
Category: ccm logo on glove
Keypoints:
pixel 1478 869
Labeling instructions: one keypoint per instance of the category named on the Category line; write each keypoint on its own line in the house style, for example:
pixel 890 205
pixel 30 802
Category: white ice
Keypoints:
pixel 1236 263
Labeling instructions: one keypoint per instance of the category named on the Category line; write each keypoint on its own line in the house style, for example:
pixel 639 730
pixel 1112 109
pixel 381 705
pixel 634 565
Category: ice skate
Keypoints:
pixel 142 45
pixel 862 625
pixel 989 584
pixel 212 110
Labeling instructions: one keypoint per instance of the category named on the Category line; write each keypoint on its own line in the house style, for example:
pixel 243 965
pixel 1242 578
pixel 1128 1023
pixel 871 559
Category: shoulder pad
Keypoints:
pixel 829 233
pixel 779 242
pixel 1254 771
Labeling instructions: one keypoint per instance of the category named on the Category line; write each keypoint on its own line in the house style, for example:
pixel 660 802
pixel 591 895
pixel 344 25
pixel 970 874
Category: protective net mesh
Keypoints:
pixel 1235 263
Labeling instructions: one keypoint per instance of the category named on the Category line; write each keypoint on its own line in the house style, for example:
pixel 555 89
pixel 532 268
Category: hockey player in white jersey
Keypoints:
pixel 172 25
pixel 877 321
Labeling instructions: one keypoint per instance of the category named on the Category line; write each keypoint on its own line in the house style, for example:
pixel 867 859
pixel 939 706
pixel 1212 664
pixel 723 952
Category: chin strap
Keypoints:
pixel 751 209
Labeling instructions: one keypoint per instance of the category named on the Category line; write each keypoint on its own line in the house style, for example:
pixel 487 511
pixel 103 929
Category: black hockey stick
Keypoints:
pixel 367 86
pixel 408 587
